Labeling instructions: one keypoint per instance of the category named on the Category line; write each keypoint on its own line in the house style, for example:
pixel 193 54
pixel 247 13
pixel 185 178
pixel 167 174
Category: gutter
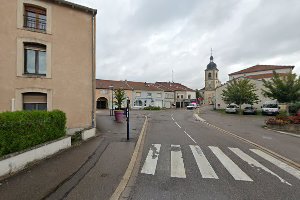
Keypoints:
pixel 93 66
pixel 77 6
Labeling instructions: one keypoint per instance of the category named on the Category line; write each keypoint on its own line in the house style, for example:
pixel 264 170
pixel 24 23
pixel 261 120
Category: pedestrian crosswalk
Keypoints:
pixel 207 171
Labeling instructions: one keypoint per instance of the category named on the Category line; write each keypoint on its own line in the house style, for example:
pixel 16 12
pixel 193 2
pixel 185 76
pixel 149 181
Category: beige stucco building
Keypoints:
pixel 47 58
pixel 255 74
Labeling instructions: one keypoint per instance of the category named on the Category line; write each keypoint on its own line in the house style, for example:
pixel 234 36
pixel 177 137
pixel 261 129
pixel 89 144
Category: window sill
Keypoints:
pixel 35 30
pixel 34 76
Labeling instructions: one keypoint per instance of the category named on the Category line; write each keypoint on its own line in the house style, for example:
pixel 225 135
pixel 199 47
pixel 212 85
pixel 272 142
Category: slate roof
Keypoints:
pixel 258 68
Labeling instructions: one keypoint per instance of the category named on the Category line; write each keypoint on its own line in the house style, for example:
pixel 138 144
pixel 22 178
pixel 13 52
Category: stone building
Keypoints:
pixel 211 81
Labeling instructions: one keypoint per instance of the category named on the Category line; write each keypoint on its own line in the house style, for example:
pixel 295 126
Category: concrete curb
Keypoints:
pixel 282 158
pixel 123 183
pixel 282 132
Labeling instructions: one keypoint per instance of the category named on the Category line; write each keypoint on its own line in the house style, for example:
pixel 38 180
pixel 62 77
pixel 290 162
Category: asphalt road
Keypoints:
pixel 186 159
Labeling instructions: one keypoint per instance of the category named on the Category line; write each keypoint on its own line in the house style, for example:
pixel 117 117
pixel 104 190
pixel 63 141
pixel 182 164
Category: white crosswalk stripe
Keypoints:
pixel 204 166
pixel 151 160
pixel 278 163
pixel 253 162
pixel 231 167
pixel 177 165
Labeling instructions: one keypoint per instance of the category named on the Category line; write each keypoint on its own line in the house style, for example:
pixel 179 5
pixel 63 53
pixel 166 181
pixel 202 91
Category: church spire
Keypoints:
pixel 211 56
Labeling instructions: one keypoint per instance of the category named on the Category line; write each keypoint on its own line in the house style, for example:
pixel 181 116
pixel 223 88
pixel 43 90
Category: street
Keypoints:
pixel 187 159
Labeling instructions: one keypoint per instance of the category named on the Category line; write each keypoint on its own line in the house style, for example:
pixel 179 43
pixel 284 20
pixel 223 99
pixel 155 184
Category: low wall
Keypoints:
pixel 292 128
pixel 88 134
pixel 18 161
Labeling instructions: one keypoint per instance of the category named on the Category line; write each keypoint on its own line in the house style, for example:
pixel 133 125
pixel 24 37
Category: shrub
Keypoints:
pixel 24 129
pixel 152 108
pixel 293 108
pixel 294 119
pixel 277 121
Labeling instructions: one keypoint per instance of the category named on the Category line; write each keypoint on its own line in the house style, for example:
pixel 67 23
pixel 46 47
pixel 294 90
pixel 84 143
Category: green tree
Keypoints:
pixel 120 97
pixel 198 94
pixel 240 92
pixel 286 89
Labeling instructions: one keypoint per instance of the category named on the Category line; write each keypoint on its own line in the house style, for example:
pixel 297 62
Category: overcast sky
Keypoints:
pixel 144 40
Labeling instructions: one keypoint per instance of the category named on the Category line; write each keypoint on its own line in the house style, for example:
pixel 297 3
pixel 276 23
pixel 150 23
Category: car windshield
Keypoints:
pixel 248 108
pixel 270 106
pixel 231 106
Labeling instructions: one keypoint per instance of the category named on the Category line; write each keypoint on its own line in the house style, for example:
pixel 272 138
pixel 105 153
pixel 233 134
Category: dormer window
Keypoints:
pixel 35 18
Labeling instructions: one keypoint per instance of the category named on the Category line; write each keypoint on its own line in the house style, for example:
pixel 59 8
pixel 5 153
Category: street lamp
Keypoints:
pixel 112 100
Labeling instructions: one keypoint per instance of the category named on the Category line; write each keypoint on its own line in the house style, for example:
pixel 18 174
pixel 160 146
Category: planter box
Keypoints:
pixel 292 128
pixel 18 161
pixel 88 134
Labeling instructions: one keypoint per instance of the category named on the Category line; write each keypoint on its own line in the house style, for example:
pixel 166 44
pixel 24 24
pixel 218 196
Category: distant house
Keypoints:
pixel 48 59
pixel 104 92
pixel 255 74
pixel 259 72
pixel 182 94
pixel 142 94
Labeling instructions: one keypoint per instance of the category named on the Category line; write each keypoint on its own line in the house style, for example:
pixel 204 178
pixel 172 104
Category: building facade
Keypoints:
pixel 142 94
pixel 47 58
pixel 255 74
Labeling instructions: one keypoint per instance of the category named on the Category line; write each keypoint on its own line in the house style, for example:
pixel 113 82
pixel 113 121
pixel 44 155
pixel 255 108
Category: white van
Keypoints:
pixel 270 108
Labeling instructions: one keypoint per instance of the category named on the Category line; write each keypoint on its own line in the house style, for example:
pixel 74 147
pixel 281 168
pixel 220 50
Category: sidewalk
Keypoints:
pixel 91 170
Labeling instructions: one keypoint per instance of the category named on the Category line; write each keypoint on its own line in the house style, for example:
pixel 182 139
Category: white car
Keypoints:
pixel 191 106
pixel 232 108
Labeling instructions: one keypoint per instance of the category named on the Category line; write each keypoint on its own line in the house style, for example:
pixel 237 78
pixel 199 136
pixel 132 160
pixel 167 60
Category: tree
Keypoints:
pixel 240 92
pixel 120 97
pixel 286 89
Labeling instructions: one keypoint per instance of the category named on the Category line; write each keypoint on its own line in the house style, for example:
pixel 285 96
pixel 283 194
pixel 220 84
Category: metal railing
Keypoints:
pixel 35 23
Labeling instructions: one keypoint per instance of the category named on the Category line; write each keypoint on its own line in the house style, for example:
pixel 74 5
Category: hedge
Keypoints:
pixel 293 108
pixel 24 129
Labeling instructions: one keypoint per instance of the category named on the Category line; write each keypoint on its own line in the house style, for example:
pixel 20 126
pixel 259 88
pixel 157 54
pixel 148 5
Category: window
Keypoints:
pixel 35 18
pixel 138 103
pixel 149 94
pixel 158 95
pixel 34 101
pixel 35 59
pixel 189 96
pixel 216 75
pixel 182 96
pixel 138 94
pixel 209 75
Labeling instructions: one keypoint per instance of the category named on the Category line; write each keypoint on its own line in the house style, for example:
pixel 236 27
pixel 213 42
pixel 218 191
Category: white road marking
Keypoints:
pixel 177 124
pixel 173 119
pixel 231 167
pixel 278 163
pixel 177 165
pixel 190 137
pixel 204 166
pixel 253 162
pixel 151 160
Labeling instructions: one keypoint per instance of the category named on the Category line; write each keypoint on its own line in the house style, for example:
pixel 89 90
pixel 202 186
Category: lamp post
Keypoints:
pixel 112 100
pixel 127 116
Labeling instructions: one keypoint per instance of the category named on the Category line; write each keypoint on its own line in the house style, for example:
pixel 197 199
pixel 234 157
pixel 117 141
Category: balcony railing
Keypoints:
pixel 35 23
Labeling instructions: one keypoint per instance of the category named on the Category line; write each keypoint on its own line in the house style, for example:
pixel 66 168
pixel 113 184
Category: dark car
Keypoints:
pixel 249 110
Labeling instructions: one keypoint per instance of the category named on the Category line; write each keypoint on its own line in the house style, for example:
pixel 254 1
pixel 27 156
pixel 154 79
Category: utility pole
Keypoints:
pixel 127 116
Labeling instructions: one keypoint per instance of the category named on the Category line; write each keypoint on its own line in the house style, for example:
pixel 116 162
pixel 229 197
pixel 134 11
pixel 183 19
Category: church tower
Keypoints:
pixel 211 81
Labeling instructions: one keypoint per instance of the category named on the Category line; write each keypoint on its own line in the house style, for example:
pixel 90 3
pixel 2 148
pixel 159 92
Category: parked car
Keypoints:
pixel 249 110
pixel 232 108
pixel 191 106
pixel 270 108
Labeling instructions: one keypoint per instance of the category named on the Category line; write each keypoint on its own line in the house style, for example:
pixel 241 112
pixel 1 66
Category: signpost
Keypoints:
pixel 127 117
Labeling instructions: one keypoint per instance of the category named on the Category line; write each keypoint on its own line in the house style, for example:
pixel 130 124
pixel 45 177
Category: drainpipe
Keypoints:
pixel 93 66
